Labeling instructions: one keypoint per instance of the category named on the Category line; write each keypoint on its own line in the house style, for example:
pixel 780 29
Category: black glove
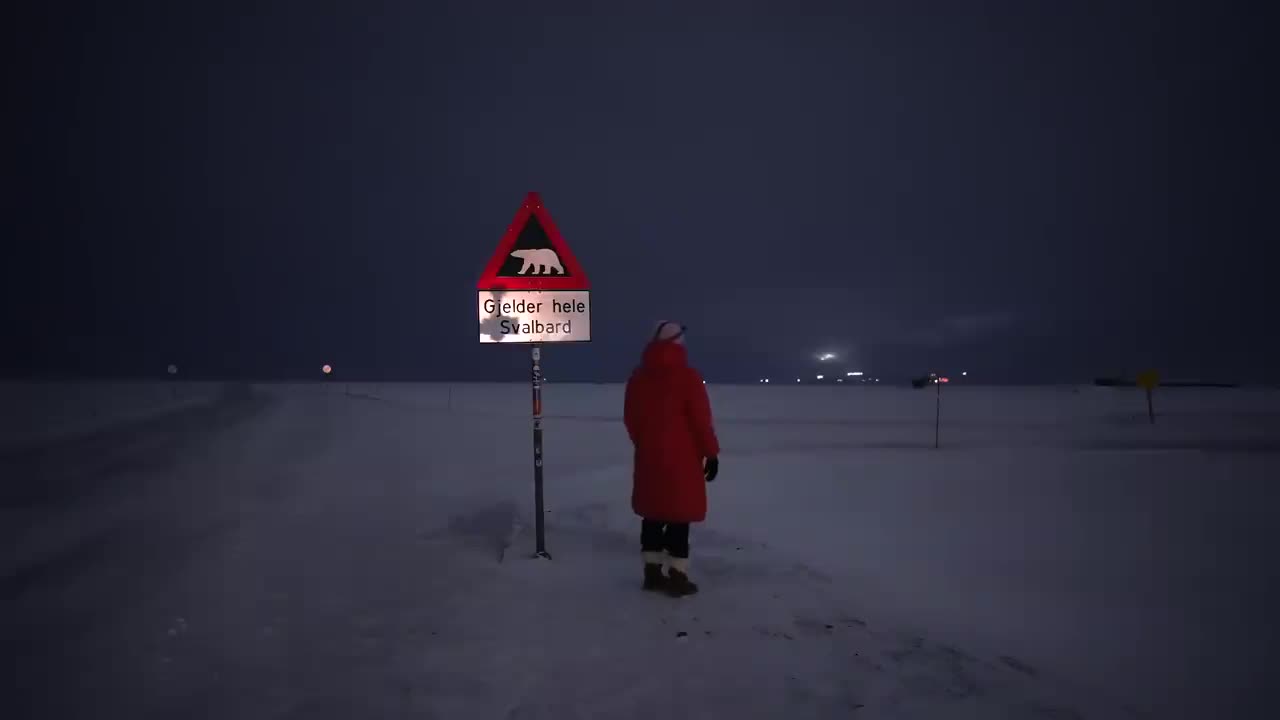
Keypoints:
pixel 712 468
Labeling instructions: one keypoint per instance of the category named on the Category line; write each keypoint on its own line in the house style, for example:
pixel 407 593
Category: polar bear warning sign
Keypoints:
pixel 533 290
pixel 532 255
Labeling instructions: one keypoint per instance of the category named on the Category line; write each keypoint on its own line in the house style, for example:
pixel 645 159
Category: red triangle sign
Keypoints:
pixel 533 255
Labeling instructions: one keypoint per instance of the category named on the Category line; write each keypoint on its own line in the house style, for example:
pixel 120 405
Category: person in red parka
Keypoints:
pixel 668 417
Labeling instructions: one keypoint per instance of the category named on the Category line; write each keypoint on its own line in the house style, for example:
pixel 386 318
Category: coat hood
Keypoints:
pixel 665 353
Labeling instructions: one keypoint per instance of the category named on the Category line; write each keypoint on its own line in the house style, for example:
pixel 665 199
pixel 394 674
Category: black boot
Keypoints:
pixel 678 582
pixel 653 577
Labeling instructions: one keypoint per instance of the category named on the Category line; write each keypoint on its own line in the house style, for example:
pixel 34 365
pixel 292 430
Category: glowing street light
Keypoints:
pixel 327 369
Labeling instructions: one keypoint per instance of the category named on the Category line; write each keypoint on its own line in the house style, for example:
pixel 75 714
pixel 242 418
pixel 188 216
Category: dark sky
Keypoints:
pixel 1028 190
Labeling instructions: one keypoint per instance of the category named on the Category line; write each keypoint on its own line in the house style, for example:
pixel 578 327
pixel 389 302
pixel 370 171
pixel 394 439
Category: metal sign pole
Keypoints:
pixel 539 525
pixel 937 414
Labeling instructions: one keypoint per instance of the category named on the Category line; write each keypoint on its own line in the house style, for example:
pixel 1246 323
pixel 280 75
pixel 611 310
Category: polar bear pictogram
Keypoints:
pixel 542 259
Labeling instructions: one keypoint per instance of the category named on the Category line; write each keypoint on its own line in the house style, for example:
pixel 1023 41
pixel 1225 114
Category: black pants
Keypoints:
pixel 656 536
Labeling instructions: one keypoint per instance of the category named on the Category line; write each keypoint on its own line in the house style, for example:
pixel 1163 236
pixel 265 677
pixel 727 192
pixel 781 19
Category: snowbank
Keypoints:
pixel 36 413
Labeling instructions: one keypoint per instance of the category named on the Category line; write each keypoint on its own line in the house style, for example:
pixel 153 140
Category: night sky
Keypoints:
pixel 1031 191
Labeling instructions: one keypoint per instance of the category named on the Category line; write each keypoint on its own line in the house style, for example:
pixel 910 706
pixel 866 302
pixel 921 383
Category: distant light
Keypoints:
pixel 826 356
pixel 965 373
pixel 944 380
pixel 839 379
pixel 819 377
pixel 173 369
pixel 766 380
pixel 877 379
pixel 327 369
pixel 855 373
pixel 797 379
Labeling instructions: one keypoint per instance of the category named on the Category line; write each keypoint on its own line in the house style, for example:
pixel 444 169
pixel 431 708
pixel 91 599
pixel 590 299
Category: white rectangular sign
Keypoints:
pixel 535 316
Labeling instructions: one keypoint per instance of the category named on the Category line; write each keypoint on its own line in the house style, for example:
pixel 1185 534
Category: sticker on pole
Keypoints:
pixel 533 290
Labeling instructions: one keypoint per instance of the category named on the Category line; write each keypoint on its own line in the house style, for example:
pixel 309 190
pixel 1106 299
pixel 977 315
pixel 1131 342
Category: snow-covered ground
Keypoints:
pixel 332 550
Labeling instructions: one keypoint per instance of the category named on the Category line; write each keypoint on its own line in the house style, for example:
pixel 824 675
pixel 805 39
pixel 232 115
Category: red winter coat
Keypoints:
pixel 668 416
